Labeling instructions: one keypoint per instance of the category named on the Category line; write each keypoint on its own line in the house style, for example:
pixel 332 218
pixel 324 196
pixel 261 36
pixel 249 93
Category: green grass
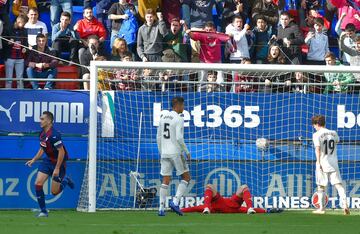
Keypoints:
pixel 126 222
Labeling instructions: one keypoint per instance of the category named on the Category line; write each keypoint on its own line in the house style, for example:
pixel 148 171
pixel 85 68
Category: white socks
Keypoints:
pixel 162 196
pixel 341 191
pixel 180 191
pixel 320 194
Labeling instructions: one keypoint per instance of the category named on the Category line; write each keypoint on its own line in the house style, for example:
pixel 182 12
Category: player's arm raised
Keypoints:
pixel 180 137
pixel 35 158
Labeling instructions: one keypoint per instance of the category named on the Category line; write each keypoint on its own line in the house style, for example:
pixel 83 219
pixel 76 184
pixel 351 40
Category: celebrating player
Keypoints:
pixel 215 203
pixel 53 165
pixel 170 140
pixel 327 169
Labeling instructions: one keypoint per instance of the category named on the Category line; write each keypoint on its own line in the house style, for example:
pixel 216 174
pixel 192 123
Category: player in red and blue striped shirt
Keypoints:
pixel 54 164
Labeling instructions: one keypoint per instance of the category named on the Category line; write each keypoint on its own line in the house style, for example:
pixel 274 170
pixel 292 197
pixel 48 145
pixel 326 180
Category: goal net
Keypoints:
pixel 244 124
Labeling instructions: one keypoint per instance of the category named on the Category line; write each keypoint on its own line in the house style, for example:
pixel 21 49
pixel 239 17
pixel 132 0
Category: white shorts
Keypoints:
pixel 323 178
pixel 168 164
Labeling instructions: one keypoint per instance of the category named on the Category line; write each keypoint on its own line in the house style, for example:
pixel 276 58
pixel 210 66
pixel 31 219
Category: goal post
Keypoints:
pixel 222 127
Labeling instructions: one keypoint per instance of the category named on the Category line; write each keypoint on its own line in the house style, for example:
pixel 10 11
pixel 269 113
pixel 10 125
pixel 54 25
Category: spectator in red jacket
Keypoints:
pixel 89 26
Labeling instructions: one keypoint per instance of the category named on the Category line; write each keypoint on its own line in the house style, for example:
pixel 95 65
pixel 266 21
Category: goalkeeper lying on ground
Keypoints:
pixel 215 203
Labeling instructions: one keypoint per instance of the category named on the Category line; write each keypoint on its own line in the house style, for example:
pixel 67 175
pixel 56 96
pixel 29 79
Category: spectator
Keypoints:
pixel 104 76
pixel 234 8
pixel 117 16
pixel 119 49
pixel 56 7
pixel 275 56
pixel 102 7
pixel 239 33
pixel 150 37
pixel 89 26
pixel 169 79
pixel 200 14
pixel 352 16
pixel 175 48
pixel 305 7
pixel 247 77
pixel 171 10
pixel 308 23
pixel 4 14
pixel 127 78
pixel 349 38
pixel 211 86
pixel 339 81
pixel 210 47
pixel 147 76
pixel 290 37
pixel 318 44
pixel 299 77
pixel 64 38
pixel 262 35
pixel 41 65
pixel 34 26
pixel 268 10
pixel 21 7
pixel 90 53
pixel 14 53
pixel 354 53
pixel 144 5
pixel 210 42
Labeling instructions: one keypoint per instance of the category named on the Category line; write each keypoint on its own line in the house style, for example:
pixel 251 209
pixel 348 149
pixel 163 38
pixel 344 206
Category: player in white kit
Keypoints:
pixel 170 140
pixel 327 169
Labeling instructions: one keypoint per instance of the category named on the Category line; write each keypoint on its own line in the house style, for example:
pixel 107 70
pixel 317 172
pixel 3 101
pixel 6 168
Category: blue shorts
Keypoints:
pixel 47 167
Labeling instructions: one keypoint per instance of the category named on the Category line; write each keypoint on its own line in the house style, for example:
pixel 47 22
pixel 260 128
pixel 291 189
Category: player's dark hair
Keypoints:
pixel 176 100
pixel 319 120
pixel 49 115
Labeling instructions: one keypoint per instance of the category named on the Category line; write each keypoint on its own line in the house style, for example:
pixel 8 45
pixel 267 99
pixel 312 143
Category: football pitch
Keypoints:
pixel 131 222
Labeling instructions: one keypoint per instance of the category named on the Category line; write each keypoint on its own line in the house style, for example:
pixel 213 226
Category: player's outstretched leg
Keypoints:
pixel 341 191
pixel 198 209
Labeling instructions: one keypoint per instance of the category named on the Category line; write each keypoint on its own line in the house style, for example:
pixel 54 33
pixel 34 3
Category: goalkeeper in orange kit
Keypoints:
pixel 215 203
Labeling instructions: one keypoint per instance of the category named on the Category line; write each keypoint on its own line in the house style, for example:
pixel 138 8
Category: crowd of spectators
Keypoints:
pixel 241 32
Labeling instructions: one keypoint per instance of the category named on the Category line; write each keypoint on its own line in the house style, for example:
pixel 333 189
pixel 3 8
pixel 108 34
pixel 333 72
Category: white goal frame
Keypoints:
pixel 95 65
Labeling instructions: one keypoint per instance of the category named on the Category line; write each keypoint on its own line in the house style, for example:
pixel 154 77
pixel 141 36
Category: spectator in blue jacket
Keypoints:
pixel 64 38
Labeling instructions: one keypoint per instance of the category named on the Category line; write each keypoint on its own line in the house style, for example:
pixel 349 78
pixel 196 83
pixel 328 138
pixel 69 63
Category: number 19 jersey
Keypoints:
pixel 170 135
pixel 327 141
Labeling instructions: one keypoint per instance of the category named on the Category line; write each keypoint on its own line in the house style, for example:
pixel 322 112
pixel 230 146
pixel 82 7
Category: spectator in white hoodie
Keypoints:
pixel 238 33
